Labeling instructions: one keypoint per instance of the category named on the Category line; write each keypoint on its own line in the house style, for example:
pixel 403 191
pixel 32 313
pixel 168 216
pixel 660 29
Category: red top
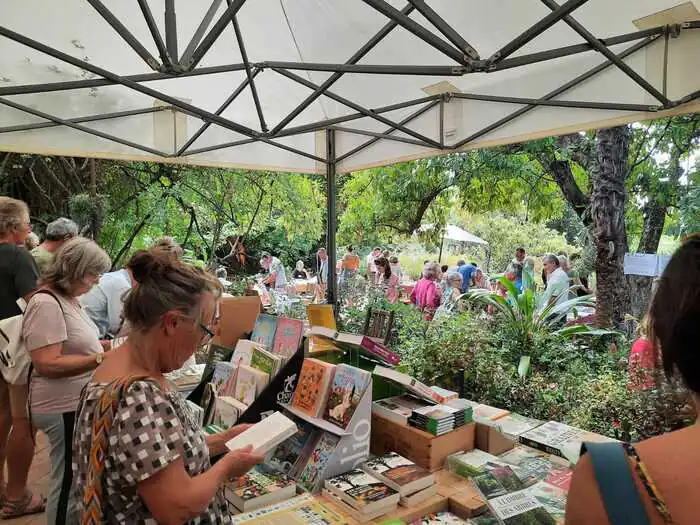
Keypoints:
pixel 426 296
pixel 641 365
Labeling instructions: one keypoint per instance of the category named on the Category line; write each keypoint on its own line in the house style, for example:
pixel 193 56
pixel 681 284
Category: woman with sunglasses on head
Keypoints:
pixel 156 465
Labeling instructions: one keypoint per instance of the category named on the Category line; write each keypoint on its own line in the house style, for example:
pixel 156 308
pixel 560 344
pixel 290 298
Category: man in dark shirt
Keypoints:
pixel 18 279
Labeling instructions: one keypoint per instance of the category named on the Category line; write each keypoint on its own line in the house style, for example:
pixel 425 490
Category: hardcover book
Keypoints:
pixel 311 475
pixel 288 336
pixel 260 486
pixel 348 387
pixel 264 330
pixel 362 491
pixel 249 383
pixel 399 473
pixel 313 387
pixel 520 508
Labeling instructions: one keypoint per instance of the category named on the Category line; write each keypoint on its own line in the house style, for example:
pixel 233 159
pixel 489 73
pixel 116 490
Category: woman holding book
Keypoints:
pixel 655 481
pixel 139 454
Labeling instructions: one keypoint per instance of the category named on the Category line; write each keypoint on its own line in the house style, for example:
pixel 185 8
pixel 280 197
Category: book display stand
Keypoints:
pixel 353 447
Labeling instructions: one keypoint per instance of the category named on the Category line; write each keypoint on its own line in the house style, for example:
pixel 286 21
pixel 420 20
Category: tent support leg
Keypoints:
pixel 171 29
pixel 331 217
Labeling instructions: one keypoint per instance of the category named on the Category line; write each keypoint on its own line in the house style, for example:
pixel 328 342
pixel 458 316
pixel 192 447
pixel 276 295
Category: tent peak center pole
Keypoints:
pixel 331 218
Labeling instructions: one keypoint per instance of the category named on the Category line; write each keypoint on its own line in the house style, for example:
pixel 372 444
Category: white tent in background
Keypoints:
pixel 322 86
pixel 458 238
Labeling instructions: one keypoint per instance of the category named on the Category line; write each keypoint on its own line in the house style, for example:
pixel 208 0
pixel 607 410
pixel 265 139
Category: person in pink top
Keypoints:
pixel 642 360
pixel 388 281
pixel 426 294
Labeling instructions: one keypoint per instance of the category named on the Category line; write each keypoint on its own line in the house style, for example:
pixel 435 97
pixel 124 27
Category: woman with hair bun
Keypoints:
pixel 155 464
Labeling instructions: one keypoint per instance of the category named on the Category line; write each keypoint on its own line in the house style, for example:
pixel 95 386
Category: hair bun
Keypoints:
pixel 149 265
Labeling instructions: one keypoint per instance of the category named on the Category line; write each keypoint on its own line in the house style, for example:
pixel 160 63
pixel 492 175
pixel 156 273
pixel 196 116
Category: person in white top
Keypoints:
pixel 371 267
pixel 557 283
pixel 276 276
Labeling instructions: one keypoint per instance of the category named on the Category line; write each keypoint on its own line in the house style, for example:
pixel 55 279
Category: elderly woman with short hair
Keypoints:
pixel 426 294
pixel 64 346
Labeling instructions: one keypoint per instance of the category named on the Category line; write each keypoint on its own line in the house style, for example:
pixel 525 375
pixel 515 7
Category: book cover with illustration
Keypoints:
pixel 520 508
pixel 553 499
pixel 471 463
pixel 227 411
pixel 265 362
pixel 348 387
pixel 260 485
pixel 311 475
pixel 264 330
pixel 512 425
pixel 321 315
pixel 224 378
pixel 299 510
pixel 440 518
pixel 362 491
pixel 249 383
pixel 288 336
pixel 290 453
pixel 533 466
pixel 401 474
pixel 313 387
pixel 552 437
pixel 497 481
pixel 398 408
pixel 243 353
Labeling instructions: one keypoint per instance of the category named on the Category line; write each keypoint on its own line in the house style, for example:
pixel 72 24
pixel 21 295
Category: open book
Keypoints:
pixel 373 346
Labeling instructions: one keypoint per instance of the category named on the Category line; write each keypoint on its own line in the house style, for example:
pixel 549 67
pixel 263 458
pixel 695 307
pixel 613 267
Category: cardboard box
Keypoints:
pixel 424 449
pixel 461 493
pixel 490 440
pixel 238 315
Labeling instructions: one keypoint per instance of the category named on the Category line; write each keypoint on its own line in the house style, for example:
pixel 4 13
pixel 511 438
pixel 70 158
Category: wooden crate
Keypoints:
pixel 424 449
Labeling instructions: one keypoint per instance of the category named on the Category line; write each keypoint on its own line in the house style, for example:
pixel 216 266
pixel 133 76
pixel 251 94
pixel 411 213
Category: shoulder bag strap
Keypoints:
pixel 616 484
pixel 102 421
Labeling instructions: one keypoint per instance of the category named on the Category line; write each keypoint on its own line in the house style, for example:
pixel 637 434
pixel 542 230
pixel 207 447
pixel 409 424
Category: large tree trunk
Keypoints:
pixel 608 217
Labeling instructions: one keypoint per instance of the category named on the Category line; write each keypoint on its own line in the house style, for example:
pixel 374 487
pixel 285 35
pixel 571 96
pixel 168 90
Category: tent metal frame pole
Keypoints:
pixel 536 29
pixel 322 124
pixel 219 111
pixel 418 30
pixel 126 35
pixel 368 69
pixel 446 29
pixel 374 140
pixel 224 145
pixel 171 29
pixel 551 54
pixel 248 72
pixel 184 106
pixel 354 59
pixel 199 33
pixel 165 58
pixel 213 34
pixel 79 127
pixel 99 82
pixel 89 118
pixel 588 37
pixel 614 106
pixel 379 135
pixel 357 107
pixel 331 218
pixel 561 89
pixel 265 140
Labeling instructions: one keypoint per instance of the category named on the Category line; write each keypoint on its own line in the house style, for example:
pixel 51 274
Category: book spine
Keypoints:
pixel 540 446
pixel 380 351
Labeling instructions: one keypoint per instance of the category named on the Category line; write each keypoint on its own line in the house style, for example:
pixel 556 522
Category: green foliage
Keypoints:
pixel 86 210
pixel 690 208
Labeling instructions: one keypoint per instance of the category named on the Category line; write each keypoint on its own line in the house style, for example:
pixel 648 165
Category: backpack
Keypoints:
pixel 15 362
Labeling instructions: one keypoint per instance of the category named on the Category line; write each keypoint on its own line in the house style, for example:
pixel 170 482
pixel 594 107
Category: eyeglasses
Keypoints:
pixel 208 334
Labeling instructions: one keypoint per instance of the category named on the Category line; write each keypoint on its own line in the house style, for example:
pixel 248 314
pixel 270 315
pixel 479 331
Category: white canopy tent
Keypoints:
pixel 333 85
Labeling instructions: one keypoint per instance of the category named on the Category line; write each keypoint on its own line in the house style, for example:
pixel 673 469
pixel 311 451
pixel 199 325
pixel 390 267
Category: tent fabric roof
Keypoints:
pixel 254 84
pixel 455 233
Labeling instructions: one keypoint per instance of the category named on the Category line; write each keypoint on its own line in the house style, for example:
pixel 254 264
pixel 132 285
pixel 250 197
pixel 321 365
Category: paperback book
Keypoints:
pixel 287 336
pixel 439 419
pixel 311 474
pixel 313 386
pixel 534 466
pixel 553 499
pixel 372 346
pixel 399 473
pixel 559 439
pixel 445 395
pixel 249 383
pixel 300 510
pixel 497 481
pixel 266 435
pixel 260 486
pixel 243 353
pixel 418 497
pixel 409 383
pixel 224 378
pixel 440 518
pixel 480 413
pixel 520 508
pixel 266 362
pixel 472 463
pixel 512 425
pixel 398 408
pixel 264 330
pixel 227 411
pixel 290 453
pixel 362 491
pixel 348 386
pixel 358 516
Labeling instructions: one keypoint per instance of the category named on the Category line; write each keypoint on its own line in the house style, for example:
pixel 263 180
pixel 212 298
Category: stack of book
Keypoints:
pixel 304 509
pixel 559 439
pixel 439 419
pixel 361 495
pixel 398 408
pixel 259 487
pixel 413 483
